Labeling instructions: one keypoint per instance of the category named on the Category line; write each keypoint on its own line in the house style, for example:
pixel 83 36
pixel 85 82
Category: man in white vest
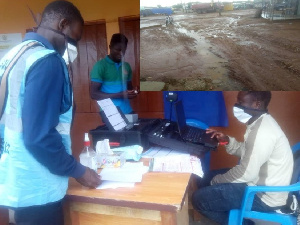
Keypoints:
pixel 35 155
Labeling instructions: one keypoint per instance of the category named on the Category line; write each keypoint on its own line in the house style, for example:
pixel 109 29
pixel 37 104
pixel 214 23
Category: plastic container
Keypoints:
pixel 112 161
pixel 88 156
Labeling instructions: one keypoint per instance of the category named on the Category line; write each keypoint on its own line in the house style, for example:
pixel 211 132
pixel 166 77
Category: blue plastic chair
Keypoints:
pixel 237 215
pixel 201 125
pixel 196 123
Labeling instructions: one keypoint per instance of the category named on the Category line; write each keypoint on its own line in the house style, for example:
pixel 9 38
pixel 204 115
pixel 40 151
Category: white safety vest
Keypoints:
pixel 23 180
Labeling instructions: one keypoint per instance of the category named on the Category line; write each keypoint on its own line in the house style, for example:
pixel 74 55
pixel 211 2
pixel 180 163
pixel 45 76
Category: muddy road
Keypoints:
pixel 234 51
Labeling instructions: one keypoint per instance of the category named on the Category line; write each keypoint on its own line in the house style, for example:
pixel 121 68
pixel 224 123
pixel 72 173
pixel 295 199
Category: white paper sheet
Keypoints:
pixel 113 184
pixel 110 111
pixel 112 114
pixel 158 151
pixel 105 102
pixel 120 126
pixel 178 163
pixel 129 172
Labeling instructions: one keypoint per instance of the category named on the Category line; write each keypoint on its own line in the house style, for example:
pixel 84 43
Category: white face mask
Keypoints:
pixel 241 115
pixel 71 51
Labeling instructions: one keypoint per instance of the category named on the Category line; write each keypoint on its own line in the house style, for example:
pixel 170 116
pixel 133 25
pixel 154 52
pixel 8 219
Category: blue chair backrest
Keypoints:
pixel 196 123
pixel 296 172
pixel 296 147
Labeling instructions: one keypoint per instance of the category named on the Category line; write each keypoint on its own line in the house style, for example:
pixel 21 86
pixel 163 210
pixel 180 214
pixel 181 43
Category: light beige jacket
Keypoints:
pixel 266 159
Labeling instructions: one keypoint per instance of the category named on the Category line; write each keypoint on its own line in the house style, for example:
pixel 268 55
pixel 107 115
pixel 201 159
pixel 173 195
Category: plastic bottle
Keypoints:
pixel 88 155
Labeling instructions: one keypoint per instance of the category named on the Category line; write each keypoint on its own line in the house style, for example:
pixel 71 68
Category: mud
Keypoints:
pixel 234 51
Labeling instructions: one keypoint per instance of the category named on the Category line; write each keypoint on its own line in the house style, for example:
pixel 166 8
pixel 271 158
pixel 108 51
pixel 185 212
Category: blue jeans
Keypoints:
pixel 216 201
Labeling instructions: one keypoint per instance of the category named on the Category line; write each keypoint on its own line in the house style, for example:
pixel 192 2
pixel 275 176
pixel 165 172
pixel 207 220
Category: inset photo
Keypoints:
pixel 219 45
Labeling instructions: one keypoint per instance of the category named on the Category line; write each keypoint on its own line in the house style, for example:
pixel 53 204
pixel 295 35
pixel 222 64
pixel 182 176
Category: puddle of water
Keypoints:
pixel 148 25
pixel 213 66
pixel 246 43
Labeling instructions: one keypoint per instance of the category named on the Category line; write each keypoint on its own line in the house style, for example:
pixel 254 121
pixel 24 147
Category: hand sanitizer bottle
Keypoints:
pixel 88 155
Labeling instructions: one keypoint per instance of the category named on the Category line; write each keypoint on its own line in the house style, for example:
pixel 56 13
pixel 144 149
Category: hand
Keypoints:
pixel 222 138
pixel 137 90
pixel 132 94
pixel 89 179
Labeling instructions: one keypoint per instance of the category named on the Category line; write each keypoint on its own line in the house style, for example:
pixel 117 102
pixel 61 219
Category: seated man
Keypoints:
pixel 265 159
pixel 111 77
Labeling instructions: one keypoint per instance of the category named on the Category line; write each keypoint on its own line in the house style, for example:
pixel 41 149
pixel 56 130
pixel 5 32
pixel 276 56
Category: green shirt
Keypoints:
pixel 113 77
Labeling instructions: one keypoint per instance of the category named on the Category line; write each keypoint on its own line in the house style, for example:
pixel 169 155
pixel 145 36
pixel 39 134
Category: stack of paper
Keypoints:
pixel 183 163
pixel 124 176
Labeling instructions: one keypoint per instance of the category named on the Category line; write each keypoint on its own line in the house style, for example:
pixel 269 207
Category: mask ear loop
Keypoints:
pixel 71 79
pixel 69 65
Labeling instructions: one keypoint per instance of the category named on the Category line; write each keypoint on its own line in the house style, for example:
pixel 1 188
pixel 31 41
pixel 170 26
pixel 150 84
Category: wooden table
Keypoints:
pixel 160 199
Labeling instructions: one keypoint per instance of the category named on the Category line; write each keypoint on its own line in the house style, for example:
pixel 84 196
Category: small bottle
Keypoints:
pixel 88 155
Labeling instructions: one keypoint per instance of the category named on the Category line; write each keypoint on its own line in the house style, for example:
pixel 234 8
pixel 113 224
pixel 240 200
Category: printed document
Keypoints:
pixel 129 172
pixel 183 163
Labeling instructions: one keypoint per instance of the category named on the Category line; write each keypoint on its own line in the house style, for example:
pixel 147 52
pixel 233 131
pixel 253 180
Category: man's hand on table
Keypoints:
pixel 89 179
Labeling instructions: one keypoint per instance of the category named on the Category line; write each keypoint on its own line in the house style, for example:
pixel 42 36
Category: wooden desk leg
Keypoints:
pixel 192 188
pixel 67 216
pixel 4 218
pixel 176 218
pixel 74 217
pixel 168 218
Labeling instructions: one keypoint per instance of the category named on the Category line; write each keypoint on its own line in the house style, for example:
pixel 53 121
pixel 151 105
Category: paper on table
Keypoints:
pixel 136 165
pixel 177 163
pixel 130 172
pixel 113 184
pixel 158 151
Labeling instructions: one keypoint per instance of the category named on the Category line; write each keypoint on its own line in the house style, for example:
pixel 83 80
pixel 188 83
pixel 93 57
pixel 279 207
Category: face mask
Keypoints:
pixel 70 53
pixel 240 114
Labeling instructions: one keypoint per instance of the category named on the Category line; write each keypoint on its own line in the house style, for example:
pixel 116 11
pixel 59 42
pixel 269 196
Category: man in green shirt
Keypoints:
pixel 111 77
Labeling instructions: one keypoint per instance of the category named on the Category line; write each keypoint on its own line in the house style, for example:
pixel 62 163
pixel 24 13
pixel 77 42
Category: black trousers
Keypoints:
pixel 49 214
